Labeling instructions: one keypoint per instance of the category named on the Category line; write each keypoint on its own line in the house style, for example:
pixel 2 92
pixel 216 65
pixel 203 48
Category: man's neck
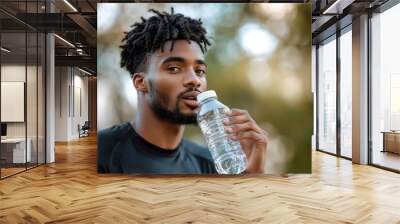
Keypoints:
pixel 158 131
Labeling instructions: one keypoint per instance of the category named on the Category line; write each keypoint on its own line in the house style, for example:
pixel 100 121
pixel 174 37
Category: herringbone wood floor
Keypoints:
pixel 70 191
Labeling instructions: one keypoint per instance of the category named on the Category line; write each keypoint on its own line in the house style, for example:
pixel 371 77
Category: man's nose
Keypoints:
pixel 192 79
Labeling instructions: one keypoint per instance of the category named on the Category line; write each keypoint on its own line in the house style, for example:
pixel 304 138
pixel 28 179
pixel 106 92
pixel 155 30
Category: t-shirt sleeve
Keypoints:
pixel 104 150
pixel 108 153
pixel 107 156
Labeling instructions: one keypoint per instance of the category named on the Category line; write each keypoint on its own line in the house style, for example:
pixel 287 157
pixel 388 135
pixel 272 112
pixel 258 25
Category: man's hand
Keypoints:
pixel 240 126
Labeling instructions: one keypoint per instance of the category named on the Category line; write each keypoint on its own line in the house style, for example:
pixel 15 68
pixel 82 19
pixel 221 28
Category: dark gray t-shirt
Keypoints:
pixel 122 150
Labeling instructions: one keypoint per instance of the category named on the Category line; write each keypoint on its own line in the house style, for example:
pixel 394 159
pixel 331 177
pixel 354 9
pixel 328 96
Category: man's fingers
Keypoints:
pixel 248 135
pixel 236 119
pixel 235 112
pixel 237 116
pixel 240 120
pixel 248 126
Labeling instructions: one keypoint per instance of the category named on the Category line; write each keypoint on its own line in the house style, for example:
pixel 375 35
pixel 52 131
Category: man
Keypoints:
pixel 165 56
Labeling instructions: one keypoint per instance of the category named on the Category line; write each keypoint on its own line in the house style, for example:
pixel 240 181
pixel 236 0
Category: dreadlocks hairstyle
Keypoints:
pixel 151 34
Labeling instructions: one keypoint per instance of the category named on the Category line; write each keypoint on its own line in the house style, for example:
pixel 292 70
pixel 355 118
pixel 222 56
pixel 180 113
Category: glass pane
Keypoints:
pixel 345 94
pixel 327 97
pixel 31 98
pixel 22 63
pixel 386 89
pixel 13 87
pixel 313 88
pixel 41 98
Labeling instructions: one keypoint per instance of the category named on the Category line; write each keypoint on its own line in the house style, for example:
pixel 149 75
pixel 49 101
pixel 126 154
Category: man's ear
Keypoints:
pixel 139 82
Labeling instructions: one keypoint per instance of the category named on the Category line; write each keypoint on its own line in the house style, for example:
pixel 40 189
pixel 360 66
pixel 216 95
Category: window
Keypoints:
pixel 385 88
pixel 346 93
pixel 327 96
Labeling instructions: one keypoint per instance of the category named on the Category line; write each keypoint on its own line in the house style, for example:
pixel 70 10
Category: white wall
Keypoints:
pixel 61 103
pixel 71 93
pixel 81 94
pixel 12 73
pixel 33 127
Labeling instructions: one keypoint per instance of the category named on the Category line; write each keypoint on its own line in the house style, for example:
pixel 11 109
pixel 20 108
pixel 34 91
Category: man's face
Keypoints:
pixel 174 79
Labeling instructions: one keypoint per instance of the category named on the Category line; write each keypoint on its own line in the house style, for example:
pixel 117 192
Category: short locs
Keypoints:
pixel 151 34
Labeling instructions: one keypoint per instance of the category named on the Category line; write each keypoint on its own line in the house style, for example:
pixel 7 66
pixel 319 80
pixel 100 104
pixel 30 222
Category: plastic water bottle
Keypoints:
pixel 226 152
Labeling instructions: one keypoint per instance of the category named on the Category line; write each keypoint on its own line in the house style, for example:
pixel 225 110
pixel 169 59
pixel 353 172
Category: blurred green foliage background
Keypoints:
pixel 260 61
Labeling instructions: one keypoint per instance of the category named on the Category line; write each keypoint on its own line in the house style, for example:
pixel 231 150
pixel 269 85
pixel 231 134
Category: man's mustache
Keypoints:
pixel 187 91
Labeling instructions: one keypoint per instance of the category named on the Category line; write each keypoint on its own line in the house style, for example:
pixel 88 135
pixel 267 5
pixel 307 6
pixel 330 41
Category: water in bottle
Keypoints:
pixel 226 152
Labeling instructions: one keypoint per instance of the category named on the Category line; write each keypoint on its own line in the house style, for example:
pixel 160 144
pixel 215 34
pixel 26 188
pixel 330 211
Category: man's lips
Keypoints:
pixel 190 99
pixel 191 103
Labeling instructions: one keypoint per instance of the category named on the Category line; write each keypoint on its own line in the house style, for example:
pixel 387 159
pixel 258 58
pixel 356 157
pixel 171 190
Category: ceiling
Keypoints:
pixel 328 16
pixel 74 22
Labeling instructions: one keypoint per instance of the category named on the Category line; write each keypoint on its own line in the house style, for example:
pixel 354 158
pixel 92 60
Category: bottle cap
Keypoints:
pixel 205 95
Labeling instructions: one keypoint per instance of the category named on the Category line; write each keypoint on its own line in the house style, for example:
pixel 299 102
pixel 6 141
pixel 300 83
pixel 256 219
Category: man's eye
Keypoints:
pixel 174 69
pixel 200 72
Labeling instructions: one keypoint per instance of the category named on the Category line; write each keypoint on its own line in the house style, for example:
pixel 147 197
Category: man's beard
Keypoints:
pixel 158 105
